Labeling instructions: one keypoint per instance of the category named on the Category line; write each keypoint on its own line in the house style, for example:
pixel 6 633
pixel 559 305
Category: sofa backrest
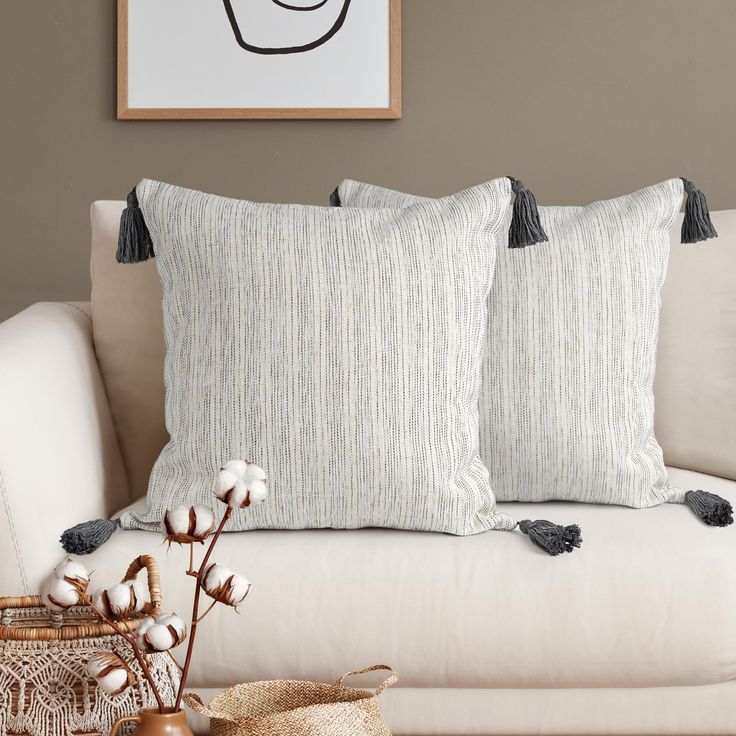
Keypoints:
pixel 695 382
pixel 695 385
pixel 127 325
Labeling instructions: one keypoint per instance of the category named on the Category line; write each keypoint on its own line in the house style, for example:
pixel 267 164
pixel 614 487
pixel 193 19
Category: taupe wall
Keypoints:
pixel 580 98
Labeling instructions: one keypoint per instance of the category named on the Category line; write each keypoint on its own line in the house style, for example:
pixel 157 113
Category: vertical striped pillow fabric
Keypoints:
pixel 566 406
pixel 340 349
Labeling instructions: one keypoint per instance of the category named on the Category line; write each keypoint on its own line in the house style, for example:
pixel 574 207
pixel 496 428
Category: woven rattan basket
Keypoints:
pixel 44 688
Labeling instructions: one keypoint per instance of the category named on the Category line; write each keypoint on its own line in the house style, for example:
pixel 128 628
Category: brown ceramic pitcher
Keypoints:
pixel 152 723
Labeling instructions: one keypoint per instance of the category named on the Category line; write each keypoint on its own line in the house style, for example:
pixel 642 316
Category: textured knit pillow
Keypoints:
pixel 566 407
pixel 340 349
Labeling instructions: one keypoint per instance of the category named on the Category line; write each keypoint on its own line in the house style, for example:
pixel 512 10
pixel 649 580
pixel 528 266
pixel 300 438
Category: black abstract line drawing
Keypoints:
pixel 336 26
pixel 299 7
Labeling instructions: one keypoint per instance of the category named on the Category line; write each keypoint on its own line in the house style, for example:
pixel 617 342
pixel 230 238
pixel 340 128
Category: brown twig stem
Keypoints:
pixel 134 646
pixel 211 606
pixel 191 570
pixel 174 660
pixel 195 608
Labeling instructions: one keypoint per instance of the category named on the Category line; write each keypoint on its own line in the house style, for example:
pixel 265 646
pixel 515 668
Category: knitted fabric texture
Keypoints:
pixel 338 349
pixel 566 407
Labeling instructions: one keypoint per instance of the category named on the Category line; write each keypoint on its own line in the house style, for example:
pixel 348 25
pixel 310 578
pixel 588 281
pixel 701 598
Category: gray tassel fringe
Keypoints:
pixel 709 508
pixel 88 536
pixel 335 199
pixel 552 538
pixel 134 240
pixel 526 229
pixel 697 225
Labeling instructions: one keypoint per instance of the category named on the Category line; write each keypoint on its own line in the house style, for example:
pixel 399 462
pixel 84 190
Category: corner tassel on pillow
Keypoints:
pixel 552 538
pixel 84 538
pixel 526 229
pixel 134 240
pixel 697 225
pixel 335 198
pixel 709 508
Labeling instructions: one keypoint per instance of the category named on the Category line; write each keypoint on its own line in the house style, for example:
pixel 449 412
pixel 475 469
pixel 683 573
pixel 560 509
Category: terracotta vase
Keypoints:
pixel 152 723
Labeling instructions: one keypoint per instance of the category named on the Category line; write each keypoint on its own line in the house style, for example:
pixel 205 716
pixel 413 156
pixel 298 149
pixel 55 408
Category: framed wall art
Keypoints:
pixel 211 59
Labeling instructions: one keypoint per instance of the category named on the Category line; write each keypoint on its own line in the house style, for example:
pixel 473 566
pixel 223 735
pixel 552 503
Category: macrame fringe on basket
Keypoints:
pixel 44 686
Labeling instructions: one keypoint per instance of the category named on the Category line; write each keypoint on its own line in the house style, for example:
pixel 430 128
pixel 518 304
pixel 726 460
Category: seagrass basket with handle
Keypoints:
pixel 296 708
pixel 44 687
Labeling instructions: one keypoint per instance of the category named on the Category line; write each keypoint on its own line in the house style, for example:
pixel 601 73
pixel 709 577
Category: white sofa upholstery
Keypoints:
pixel 646 602
pixel 59 457
pixel 632 634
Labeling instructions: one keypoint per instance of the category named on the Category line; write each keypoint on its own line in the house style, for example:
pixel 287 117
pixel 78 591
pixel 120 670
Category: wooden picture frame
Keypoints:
pixel 392 111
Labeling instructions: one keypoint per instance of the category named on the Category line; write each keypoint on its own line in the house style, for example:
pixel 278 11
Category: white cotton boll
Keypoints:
pixel 241 483
pixel 70 569
pixel 187 524
pixel 239 496
pixel 110 672
pixel 216 576
pixel 97 663
pixel 114 683
pixel 236 467
pixel 253 473
pixel 58 594
pixel 224 482
pixel 162 633
pixel 144 624
pixel 98 601
pixel 239 589
pixel 141 637
pixel 225 586
pixel 258 491
pixel 121 600
pixel 140 591
pixel 159 638
pixel 74 573
pixel 175 624
pixel 178 520
pixel 204 520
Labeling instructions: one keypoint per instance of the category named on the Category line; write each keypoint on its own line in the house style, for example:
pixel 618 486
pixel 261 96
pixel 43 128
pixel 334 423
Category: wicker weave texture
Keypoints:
pixel 295 708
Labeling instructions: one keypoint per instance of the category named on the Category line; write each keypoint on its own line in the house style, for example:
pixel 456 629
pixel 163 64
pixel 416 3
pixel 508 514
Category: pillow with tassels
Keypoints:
pixel 340 349
pixel 566 405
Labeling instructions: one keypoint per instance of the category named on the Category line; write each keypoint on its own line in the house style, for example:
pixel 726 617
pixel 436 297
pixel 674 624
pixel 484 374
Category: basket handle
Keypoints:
pixel 120 721
pixel 390 680
pixel 154 579
pixel 195 703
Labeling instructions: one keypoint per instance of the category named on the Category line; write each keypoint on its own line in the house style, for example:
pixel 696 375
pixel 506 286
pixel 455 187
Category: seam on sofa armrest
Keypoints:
pixel 79 309
pixel 12 535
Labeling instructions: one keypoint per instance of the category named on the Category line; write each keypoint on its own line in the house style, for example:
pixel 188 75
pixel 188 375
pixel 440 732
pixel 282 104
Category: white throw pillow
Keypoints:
pixel 566 408
pixel 339 349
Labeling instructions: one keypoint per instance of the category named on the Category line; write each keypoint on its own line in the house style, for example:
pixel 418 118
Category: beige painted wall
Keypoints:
pixel 580 98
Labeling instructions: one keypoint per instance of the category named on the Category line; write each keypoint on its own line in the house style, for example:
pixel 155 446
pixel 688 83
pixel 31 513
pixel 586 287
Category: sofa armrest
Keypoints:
pixel 59 457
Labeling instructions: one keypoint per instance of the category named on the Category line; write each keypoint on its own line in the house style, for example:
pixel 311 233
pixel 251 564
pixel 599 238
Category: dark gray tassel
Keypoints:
pixel 696 226
pixel 552 538
pixel 335 199
pixel 134 240
pixel 711 509
pixel 526 229
pixel 88 536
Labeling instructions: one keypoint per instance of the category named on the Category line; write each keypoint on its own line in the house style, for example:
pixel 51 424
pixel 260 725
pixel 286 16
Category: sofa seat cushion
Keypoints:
pixel 649 600
pixel 695 710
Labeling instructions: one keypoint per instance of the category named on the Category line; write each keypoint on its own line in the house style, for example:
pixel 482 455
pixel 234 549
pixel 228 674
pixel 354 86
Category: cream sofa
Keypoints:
pixel 635 633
